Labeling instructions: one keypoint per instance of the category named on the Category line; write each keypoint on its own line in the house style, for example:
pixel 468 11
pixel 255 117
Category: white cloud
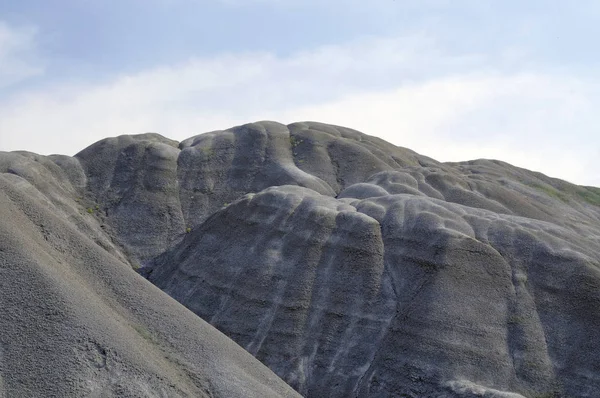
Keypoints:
pixel 541 122
pixel 405 90
pixel 17 54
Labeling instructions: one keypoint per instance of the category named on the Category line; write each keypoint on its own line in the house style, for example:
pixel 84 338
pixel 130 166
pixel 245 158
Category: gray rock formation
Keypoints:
pixel 77 321
pixel 348 266
pixel 398 294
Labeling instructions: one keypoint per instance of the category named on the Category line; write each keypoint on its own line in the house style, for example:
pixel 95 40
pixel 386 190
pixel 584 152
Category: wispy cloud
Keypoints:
pixel 17 54
pixel 404 89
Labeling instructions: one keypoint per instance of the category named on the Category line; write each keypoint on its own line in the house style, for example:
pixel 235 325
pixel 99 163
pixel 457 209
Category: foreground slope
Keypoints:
pixel 76 320
pixel 349 266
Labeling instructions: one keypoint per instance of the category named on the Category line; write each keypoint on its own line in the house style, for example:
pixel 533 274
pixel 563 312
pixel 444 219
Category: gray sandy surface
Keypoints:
pixel 75 318
pixel 348 266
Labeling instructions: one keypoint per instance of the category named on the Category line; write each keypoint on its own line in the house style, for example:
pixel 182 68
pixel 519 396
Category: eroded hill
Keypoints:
pixel 349 266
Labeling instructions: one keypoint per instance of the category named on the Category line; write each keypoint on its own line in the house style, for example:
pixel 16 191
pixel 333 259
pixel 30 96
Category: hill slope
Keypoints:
pixel 349 266
pixel 76 320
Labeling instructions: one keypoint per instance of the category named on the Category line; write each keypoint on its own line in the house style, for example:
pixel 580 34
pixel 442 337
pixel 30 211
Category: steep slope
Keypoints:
pixel 348 266
pixel 398 294
pixel 76 320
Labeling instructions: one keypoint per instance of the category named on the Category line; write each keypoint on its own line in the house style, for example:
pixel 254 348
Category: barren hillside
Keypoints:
pixel 346 265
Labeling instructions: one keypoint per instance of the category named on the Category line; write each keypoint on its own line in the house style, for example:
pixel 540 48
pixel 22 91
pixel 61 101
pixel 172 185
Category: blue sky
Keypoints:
pixel 454 80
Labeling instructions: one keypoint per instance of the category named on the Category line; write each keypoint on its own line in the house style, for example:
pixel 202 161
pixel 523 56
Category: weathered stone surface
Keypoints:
pixel 294 277
pixel 133 181
pixel 348 266
pixel 152 189
pixel 76 320
pixel 400 294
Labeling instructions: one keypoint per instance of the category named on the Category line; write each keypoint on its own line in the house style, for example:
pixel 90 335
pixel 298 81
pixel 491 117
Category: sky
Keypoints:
pixel 455 80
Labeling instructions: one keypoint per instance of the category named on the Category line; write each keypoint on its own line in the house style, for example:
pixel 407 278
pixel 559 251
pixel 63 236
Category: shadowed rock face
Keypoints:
pixel 348 266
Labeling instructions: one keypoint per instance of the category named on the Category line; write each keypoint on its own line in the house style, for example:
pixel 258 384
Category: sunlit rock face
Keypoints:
pixel 348 266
